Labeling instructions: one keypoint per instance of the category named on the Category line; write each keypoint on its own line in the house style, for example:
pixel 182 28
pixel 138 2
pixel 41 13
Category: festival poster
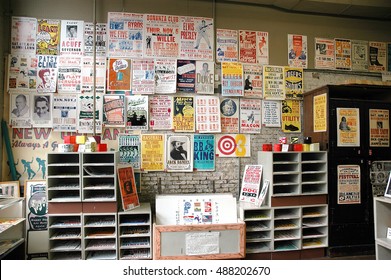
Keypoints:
pixel 196 38
pixel 114 110
pixel 100 39
pixel 251 182
pixel 186 75
pixel 165 75
pixel 162 36
pixel 183 114
pixel 22 73
pixel 204 152
pixel 291 116
pixel 229 115
pixel 152 152
pixel 125 35
pixel 179 153
pixel 47 71
pixel 250 116
pixel 128 189
pixel 227 45
pixel 65 112
pixel 320 113
pixel 72 38
pixel 297 51
pixel 87 104
pixel 262 47
pixel 233 145
pixel 87 74
pixel 360 55
pixel 247 46
pixel 207 114
pixel 23 35
pixel 48 36
pixel 69 74
pixel 377 56
pixel 271 113
pixel 273 82
pixel 137 113
pixel 36 217
pixel 379 128
pixel 232 79
pixel 324 53
pixel 349 184
pixel 119 74
pixel 348 127
pixel 42 109
pixel 204 77
pixel 20 110
pixel 294 83
pixel 143 76
pixel 129 148
pixel 252 80
pixel 343 54
pixel 161 116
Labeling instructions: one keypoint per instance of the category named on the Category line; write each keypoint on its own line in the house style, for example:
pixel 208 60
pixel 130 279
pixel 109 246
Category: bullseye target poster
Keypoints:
pixel 233 145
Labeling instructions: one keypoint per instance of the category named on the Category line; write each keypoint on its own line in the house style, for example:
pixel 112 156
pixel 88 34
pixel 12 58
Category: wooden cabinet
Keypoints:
pixel 367 108
pixel 382 210
pixel 135 233
pixel 12 228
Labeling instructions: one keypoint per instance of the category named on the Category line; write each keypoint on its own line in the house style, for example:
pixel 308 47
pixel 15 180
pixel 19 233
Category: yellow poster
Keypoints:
pixel 379 128
pixel 291 120
pixel 348 127
pixel 152 152
pixel 320 113
pixel 294 78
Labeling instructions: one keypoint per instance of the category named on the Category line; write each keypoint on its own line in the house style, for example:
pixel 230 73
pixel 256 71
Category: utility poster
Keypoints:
pixel 291 117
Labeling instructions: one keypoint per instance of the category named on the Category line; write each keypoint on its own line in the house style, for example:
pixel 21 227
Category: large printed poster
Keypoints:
pixel 348 125
pixel 324 53
pixel 232 79
pixel 291 116
pixel 179 151
pixel 129 147
pixel 229 114
pixel 349 184
pixel 48 36
pixel 233 145
pixel 297 51
pixel 152 152
pixel 251 181
pixel 377 56
pixel 320 112
pixel 379 128
pixel 160 108
pixel 226 45
pixel 204 152
pixel 72 37
pixel 273 82
pixel 343 54
pixel 183 114
pixel 23 35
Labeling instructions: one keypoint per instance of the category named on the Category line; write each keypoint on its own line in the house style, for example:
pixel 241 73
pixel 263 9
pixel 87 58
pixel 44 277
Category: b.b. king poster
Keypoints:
pixel 204 152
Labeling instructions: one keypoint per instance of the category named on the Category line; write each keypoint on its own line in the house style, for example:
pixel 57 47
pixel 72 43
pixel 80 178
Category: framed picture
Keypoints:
pixel 387 193
pixel 10 188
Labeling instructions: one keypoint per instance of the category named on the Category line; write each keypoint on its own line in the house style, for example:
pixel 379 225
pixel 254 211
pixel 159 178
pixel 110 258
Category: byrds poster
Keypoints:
pixel 179 153
pixel 184 114
pixel 204 152
pixel 152 152
pixel 127 186
pixel 125 34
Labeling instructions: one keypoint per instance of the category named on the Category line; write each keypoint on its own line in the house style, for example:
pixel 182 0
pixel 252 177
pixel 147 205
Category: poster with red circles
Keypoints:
pixel 233 145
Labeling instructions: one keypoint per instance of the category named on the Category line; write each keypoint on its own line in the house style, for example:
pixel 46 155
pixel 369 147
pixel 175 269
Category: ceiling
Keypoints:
pixel 365 9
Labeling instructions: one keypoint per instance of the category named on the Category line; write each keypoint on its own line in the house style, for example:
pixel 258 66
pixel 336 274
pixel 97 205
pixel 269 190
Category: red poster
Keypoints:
pixel 127 186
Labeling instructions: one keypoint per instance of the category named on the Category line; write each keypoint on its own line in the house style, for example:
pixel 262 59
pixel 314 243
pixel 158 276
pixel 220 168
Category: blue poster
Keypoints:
pixel 204 152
